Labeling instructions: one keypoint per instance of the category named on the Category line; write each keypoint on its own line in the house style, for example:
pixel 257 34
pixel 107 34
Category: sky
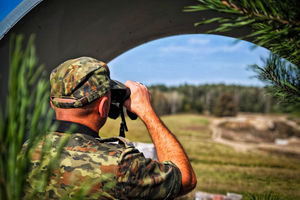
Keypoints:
pixel 6 6
pixel 193 59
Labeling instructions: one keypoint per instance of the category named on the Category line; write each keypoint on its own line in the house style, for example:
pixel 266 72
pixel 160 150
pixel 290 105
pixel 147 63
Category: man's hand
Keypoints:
pixel 139 101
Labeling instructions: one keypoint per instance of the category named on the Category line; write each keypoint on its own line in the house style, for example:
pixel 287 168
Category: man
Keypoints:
pixel 81 96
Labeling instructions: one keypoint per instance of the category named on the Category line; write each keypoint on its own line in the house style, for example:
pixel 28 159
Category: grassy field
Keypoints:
pixel 219 168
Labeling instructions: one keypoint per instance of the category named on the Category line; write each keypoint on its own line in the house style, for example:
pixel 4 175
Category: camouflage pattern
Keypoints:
pixel 113 167
pixel 83 80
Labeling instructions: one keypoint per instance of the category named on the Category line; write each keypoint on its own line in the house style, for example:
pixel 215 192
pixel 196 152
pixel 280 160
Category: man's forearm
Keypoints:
pixel 167 146
pixel 169 149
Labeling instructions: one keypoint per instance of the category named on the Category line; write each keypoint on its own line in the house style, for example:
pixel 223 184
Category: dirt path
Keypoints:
pixel 246 146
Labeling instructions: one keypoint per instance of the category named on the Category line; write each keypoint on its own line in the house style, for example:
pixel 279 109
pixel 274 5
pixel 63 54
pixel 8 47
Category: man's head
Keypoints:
pixel 80 88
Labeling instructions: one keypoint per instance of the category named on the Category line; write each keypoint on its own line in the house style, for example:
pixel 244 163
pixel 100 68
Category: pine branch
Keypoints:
pixel 276 26
pixel 284 77
pixel 272 21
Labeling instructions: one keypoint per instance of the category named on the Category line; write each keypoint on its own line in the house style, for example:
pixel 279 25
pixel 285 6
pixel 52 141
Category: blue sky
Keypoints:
pixel 6 6
pixel 194 59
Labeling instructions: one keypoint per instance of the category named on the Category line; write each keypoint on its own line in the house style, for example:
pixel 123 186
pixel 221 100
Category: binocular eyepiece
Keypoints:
pixel 118 97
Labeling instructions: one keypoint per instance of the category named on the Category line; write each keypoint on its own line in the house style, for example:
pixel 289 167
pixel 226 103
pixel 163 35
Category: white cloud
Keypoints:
pixel 197 41
pixel 177 49
pixel 203 49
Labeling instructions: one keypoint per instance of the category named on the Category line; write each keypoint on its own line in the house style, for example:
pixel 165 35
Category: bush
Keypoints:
pixel 225 106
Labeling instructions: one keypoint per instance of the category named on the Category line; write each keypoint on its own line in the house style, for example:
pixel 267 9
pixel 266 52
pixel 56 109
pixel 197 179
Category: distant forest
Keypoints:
pixel 211 98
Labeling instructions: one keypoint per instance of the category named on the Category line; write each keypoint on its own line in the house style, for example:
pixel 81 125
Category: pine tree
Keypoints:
pixel 275 25
pixel 284 76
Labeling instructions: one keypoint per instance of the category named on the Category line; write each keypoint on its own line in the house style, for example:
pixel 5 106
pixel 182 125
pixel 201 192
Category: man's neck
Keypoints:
pixel 90 122
pixel 73 127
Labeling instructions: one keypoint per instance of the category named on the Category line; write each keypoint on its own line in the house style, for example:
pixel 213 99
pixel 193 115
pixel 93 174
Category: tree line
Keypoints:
pixel 217 99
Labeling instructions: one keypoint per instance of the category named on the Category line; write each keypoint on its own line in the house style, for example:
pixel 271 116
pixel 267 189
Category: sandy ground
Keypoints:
pixel 260 122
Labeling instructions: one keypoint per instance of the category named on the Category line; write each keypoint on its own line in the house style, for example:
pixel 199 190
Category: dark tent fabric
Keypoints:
pixel 102 29
pixel 14 15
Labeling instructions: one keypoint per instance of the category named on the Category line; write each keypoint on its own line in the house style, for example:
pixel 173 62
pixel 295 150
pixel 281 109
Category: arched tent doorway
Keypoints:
pixel 101 29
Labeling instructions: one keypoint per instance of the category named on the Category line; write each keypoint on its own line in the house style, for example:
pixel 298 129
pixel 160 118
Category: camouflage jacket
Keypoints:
pixel 100 169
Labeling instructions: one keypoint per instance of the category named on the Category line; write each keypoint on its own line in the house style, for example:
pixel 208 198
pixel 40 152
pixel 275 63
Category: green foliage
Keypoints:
pixel 275 25
pixel 226 106
pixel 264 196
pixel 27 117
pixel 283 76
pixel 27 104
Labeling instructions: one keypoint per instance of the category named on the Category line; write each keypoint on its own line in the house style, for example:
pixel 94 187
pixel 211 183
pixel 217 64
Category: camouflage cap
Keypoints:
pixel 83 80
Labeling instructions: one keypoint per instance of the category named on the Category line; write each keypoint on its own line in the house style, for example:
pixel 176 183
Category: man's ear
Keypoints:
pixel 51 104
pixel 103 107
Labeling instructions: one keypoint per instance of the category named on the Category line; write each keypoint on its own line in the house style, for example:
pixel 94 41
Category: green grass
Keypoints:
pixel 219 168
pixel 27 115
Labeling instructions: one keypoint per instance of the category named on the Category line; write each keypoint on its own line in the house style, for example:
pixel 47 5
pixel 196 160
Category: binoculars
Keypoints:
pixel 118 97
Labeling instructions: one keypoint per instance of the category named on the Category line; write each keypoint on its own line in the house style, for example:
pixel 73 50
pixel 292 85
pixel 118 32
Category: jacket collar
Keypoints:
pixel 73 127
